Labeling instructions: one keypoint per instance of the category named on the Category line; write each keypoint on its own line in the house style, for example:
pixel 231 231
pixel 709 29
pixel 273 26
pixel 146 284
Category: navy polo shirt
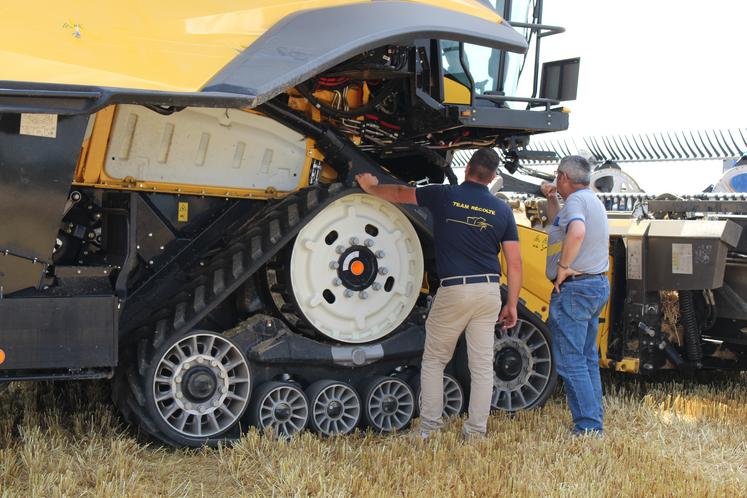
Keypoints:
pixel 469 225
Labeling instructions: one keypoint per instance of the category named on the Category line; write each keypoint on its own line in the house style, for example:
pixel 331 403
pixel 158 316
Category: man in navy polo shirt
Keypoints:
pixel 470 228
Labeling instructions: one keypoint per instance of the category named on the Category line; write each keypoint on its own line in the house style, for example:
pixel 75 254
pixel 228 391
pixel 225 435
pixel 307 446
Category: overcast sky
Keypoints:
pixel 652 64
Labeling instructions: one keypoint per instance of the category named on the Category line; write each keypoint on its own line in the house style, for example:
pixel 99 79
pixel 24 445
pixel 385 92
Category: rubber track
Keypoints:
pixel 251 245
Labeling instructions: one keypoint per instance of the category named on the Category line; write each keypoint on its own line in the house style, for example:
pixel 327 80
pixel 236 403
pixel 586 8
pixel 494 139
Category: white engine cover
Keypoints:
pixel 201 146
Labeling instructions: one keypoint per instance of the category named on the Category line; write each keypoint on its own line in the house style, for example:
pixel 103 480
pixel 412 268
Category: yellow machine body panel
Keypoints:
pixel 165 45
pixel 537 289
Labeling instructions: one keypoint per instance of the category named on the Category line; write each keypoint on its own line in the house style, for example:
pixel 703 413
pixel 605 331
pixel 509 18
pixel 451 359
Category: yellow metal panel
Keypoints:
pixel 171 45
pixel 456 93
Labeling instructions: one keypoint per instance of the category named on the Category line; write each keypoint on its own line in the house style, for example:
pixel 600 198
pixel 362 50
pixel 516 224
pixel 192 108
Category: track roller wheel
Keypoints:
pixel 188 390
pixel 280 406
pixel 389 404
pixel 335 407
pixel 453 396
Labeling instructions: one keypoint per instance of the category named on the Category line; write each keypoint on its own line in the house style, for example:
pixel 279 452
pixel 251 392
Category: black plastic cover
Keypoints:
pixel 309 42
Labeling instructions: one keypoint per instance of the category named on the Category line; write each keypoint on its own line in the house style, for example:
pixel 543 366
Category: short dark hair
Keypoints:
pixel 483 164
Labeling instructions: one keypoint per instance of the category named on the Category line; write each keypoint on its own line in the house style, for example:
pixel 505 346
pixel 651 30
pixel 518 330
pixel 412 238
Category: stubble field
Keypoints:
pixel 662 439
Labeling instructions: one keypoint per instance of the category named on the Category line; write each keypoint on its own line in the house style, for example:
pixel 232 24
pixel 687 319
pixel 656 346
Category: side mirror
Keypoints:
pixel 560 79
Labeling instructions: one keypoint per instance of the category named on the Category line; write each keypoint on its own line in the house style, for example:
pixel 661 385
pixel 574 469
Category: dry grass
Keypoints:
pixel 664 439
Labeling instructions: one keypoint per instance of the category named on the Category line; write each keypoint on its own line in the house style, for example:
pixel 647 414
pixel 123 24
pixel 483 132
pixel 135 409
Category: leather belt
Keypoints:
pixel 584 276
pixel 474 279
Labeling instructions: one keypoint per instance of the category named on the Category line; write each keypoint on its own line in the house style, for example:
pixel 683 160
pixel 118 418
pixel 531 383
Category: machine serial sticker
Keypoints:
pixel 183 212
pixel 39 125
pixel 635 259
pixel 682 259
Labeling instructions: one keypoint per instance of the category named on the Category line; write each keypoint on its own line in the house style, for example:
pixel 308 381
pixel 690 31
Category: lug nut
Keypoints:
pixel 199 360
pixel 376 286
pixel 178 380
pixel 188 406
pixel 339 249
pixel 223 390
pixel 186 366
pixel 179 395
pixel 216 403
pixel 380 254
pixel 214 363
pixel 348 293
pixel 383 270
pixel 334 265
pixel 354 241
pixel 363 295
pixel 336 281
pixel 369 242
pixel 202 409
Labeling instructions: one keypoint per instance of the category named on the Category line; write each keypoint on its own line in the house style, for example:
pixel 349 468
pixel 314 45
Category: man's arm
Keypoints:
pixel 553 203
pixel 569 252
pixel 401 194
pixel 512 253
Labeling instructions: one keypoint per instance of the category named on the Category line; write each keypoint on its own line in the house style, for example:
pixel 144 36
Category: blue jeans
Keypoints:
pixel 573 322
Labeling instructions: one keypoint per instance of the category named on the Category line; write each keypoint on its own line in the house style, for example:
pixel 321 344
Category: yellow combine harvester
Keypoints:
pixel 178 209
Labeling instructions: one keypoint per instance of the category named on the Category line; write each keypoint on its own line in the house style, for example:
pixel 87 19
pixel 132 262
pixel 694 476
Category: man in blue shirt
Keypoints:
pixel 471 226
pixel 577 263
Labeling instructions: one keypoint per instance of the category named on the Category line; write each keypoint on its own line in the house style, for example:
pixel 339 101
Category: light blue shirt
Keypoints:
pixel 593 257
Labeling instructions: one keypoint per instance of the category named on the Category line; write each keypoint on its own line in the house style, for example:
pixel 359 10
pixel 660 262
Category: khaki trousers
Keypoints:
pixel 474 309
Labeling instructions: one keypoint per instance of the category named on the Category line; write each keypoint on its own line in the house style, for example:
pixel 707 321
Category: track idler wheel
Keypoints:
pixel 389 404
pixel 335 407
pixel 188 390
pixel 281 407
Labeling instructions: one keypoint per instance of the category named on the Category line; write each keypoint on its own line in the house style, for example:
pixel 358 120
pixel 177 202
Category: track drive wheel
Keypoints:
pixel 353 273
pixel 280 406
pixel 389 404
pixel 335 407
pixel 188 390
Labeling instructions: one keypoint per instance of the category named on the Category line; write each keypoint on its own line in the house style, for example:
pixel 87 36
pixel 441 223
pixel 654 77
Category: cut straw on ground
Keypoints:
pixel 662 439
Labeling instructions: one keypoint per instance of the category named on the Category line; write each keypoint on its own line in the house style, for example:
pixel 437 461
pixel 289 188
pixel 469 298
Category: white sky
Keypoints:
pixel 653 65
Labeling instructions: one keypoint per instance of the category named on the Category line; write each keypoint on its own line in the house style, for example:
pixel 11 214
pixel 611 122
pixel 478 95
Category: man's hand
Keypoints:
pixel 563 274
pixel 366 181
pixel 548 189
pixel 508 317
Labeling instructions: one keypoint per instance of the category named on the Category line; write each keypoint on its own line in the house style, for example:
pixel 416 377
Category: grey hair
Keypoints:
pixel 576 168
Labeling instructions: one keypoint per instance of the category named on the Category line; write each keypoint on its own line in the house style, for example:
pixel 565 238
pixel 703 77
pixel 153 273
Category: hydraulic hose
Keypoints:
pixel 692 332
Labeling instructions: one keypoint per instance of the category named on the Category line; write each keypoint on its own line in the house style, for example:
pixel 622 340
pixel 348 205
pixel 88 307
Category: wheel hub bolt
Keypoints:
pixel 379 254
pixel 383 270
pixel 339 249
pixel 336 281
pixel 354 241
pixel 369 242
pixel 334 265
pixel 178 380
pixel 348 293
pixel 363 295
pixel 376 286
